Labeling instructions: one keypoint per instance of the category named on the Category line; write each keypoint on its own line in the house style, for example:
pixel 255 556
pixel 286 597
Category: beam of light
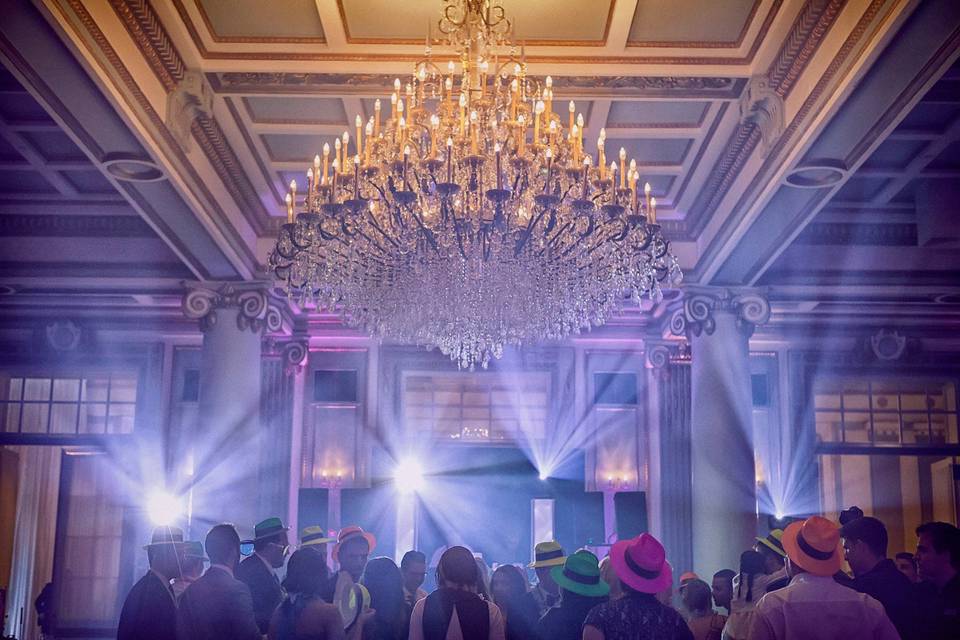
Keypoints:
pixel 163 508
pixel 408 476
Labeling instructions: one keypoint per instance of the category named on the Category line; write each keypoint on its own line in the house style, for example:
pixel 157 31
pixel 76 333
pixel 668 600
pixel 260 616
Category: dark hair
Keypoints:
pixel 751 563
pixel 904 555
pixel 382 579
pixel 726 574
pixel 868 530
pixel 222 544
pixel 412 556
pixel 696 595
pixel 458 567
pixel 516 582
pixel 306 572
pixel 851 514
pixel 575 599
pixel 945 537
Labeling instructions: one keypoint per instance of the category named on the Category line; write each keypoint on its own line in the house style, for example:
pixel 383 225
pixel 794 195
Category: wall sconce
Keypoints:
pixel 331 479
pixel 617 482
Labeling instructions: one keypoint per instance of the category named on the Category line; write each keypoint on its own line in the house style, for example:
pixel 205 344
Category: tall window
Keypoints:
pixel 68 406
pixel 889 447
pixel 476 406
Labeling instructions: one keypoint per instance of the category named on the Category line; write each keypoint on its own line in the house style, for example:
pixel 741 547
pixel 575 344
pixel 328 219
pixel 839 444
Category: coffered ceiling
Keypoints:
pixel 777 134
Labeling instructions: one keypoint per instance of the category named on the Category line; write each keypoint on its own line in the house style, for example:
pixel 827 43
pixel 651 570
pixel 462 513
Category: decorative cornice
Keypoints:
pixel 894 234
pixel 255 311
pixel 147 31
pixel 700 305
pixel 808 31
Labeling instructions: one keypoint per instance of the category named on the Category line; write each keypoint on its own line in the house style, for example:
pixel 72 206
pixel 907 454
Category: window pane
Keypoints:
pixel 856 427
pixel 66 390
pixel 93 418
pixel 855 399
pixel 35 418
pixel 915 428
pixel 886 428
pixel 914 401
pixel 16 388
pixel 123 389
pixel 950 397
pixel 884 401
pixel 37 389
pixel 64 418
pixel 95 389
pixel 939 428
pixel 10 415
pixel 829 428
pixel 121 418
pixel 826 401
pixel 952 429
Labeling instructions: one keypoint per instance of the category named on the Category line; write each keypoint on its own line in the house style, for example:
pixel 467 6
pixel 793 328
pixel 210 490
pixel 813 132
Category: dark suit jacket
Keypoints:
pixel 217 607
pixel 149 612
pixel 264 589
pixel 895 592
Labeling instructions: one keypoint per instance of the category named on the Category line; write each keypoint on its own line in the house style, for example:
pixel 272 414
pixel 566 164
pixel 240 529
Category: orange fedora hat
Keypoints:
pixel 814 546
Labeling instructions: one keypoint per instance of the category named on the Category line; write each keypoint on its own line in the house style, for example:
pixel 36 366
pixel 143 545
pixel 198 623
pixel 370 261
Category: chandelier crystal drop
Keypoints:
pixel 470 217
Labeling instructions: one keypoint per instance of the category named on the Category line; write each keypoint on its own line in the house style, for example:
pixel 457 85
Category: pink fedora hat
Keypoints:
pixel 641 563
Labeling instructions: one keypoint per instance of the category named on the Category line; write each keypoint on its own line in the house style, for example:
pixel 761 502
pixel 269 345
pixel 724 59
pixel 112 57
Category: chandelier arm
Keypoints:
pixel 386 236
pixel 525 237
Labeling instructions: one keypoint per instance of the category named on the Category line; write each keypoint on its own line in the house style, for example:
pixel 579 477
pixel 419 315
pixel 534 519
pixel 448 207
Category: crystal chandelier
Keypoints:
pixel 471 217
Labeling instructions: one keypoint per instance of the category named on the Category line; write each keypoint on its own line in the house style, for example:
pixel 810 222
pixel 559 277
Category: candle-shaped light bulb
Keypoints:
pixel 623 170
pixel 316 165
pixel 549 154
pixel 449 159
pixel 652 215
pixel 496 148
pixel 451 67
pixel 448 84
pixel 309 179
pixel 580 120
pixel 406 150
pixel 646 193
pixel 293 189
pixel 521 133
pixel 396 85
pixel 339 148
pixel 326 161
pixel 474 132
pixel 376 117
pixel 422 74
pixel 289 201
pixel 358 122
pixel 549 82
pixel 603 133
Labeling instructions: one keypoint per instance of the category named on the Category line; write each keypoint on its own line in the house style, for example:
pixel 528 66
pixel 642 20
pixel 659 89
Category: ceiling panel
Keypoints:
pixel 949 158
pixel 296 147
pixel 691 22
pixel 252 20
pixel 930 116
pixel 640 113
pixel 288 109
pixel 24 181
pixel 540 21
pixel 894 154
pixel 21 107
pixel 650 150
pixel 860 189
pixel 55 146
pixel 89 182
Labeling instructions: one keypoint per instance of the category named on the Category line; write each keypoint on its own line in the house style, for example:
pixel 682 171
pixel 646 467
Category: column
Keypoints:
pixel 718 323
pixel 226 449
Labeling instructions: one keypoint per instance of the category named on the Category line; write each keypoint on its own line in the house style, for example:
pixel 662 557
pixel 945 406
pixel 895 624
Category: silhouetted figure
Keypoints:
pixel 748 587
pixel 546 555
pixel 907 565
pixel 643 570
pixel 192 567
pixel 454 611
pixel 413 568
pixel 270 546
pixel 771 548
pixel 303 614
pixel 150 609
pixel 217 606
pixel 390 621
pixel 865 548
pixel 704 622
pixel 581 589
pixel 938 563
pixel 722 588
pixel 814 606
pixel 508 587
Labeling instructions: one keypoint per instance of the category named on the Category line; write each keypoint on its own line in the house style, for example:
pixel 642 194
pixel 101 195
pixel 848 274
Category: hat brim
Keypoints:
pixel 317 541
pixel 618 559
pixel 552 562
pixel 772 547
pixel 823 568
pixel 264 537
pixel 369 537
pixel 162 544
pixel 601 588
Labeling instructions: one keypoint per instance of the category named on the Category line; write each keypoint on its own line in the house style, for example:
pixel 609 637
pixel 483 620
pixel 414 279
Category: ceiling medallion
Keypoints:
pixel 470 217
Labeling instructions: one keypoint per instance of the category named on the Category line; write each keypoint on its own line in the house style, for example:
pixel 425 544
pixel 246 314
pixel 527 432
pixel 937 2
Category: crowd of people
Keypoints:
pixel 791 585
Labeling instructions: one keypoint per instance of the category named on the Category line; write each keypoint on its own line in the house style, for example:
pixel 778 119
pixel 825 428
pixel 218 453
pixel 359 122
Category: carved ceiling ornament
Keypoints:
pixel 762 105
pixel 191 100
pixel 255 310
pixel 696 316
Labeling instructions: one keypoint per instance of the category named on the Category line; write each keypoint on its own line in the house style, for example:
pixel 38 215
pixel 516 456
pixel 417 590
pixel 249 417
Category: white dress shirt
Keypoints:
pixel 817 608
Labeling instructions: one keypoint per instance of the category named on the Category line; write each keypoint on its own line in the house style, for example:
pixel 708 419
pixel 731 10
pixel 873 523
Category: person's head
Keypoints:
pixel 507 585
pixel 546 580
pixel 413 567
pixel 938 552
pixel 751 566
pixel 813 546
pixel 306 572
pixel 770 547
pixel 273 549
pixel 353 549
pixel 864 543
pixel 608 575
pixel 907 565
pixel 192 568
pixel 457 569
pixel 696 597
pixel 722 587
pixel 547 555
pixel 382 579
pixel 222 545
pixel 849 515
pixel 165 551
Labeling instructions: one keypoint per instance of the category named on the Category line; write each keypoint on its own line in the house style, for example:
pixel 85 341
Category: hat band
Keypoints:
pixel 549 555
pixel 814 553
pixel 313 536
pixel 580 578
pixel 775 542
pixel 268 532
pixel 637 569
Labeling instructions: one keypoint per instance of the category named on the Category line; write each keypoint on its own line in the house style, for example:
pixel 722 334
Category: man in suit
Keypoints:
pixel 218 606
pixel 270 546
pixel 150 610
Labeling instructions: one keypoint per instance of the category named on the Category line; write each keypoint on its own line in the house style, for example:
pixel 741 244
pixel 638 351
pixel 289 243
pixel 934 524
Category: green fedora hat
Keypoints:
pixel 267 528
pixel 580 573
pixel 194 549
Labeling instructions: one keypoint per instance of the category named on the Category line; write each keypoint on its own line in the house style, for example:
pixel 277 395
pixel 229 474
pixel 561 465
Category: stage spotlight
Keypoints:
pixel 544 475
pixel 163 508
pixel 408 476
pixel 778 515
